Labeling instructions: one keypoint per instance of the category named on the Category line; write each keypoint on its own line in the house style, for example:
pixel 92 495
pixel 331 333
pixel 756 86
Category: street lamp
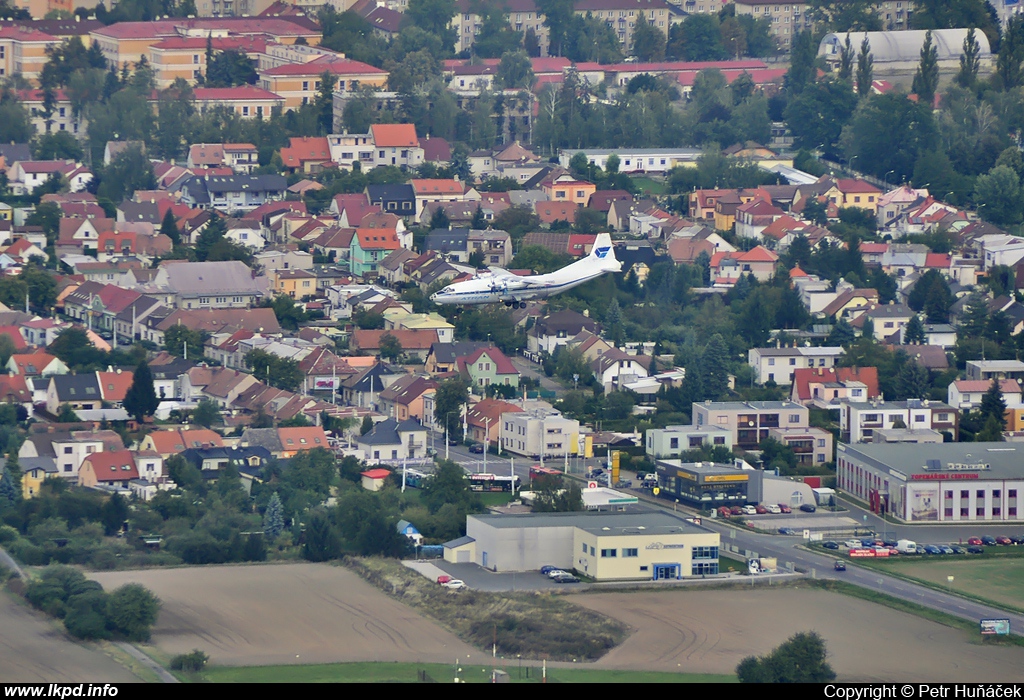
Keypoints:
pixel 446 441
pixel 885 180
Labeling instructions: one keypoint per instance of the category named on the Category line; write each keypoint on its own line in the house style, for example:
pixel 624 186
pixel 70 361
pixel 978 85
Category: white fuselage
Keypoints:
pixel 490 288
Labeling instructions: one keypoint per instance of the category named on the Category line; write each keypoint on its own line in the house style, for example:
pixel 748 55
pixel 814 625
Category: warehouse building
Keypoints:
pixel 603 546
pixel 948 482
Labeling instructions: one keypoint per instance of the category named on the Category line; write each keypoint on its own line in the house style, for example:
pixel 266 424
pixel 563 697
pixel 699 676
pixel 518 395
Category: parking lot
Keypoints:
pixel 481 579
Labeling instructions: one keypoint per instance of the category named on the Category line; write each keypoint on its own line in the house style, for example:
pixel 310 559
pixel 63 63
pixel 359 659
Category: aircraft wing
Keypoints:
pixel 500 272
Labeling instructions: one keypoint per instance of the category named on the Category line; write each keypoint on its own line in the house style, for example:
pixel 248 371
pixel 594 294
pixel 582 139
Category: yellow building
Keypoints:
pixel 127 42
pixel 23 51
pixel 855 193
pixel 299 83
pixel 297 284
pixel 568 189
pixel 247 101
pixel 605 546
pixel 185 57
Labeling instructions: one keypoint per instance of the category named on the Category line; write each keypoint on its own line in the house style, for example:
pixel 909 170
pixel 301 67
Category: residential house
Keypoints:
pixel 369 248
pixel 755 216
pixel 171 442
pixel 539 433
pixel 779 364
pixel 887 319
pixel 436 190
pixel 415 344
pixel 395 199
pixel 403 399
pixel 556 329
pixel 615 367
pixel 307 154
pixel 79 391
pixel 35 364
pixel 824 388
pixel 68 445
pixel 205 285
pixel 727 267
pixel 392 441
pixel 966 394
pixel 483 420
pixel 285 443
pixel 810 446
pixel 987 370
pixel 108 469
pixel 858 421
pixel 396 144
pixel 442 357
pixel 566 188
pixel 749 421
pixel 672 441
pixel 486 367
pixel 231 193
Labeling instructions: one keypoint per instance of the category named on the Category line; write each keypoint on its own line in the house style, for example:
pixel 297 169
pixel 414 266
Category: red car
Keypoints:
pixel 1003 539
pixel 974 541
pixel 784 508
pixel 736 510
pixel 725 512
pixel 761 510
pixel 443 579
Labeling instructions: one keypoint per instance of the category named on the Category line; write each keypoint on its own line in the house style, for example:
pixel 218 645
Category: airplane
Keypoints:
pixel 501 286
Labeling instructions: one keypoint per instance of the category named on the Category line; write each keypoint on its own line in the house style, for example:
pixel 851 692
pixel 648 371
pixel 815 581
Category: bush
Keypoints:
pixel 55 586
pixel 193 662
pixel 7 534
pixel 87 615
pixel 132 610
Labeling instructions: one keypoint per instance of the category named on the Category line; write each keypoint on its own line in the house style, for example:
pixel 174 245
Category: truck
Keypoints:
pixel 906 547
pixel 650 480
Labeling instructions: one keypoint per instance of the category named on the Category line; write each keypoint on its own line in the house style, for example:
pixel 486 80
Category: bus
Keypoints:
pixel 537 472
pixel 414 479
pixel 493 482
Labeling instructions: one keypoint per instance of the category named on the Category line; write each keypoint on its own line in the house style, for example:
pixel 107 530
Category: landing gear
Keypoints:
pixel 515 304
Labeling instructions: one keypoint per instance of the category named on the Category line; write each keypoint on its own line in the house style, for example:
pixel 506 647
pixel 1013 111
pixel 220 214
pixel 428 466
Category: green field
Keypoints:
pixel 998 580
pixel 648 186
pixel 409 673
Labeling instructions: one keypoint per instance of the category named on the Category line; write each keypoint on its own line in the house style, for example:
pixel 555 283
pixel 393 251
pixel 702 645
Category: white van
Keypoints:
pixel 906 547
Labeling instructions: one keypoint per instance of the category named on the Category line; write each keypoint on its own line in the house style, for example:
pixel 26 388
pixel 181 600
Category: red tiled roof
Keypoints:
pixel 377 239
pixel 305 148
pixel 435 186
pixel 15 335
pixel 941 261
pixel 410 340
pixel 394 135
pixel 851 185
pixel 117 465
pixel 335 66
pixel 376 473
pixel 242 92
pixel 502 365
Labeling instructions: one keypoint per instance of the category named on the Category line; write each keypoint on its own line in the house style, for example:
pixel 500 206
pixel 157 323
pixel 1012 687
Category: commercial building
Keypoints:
pixel 859 420
pixel 750 421
pixel 949 482
pixel 671 441
pixel 780 364
pixel 708 484
pixel 539 433
pixel 604 546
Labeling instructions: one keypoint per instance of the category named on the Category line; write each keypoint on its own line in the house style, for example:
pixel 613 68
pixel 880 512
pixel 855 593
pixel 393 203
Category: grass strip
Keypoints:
pixel 389 672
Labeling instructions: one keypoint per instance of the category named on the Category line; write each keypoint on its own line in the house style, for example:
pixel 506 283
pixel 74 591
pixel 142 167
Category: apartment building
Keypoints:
pixel 185 57
pixel 811 446
pixel 790 18
pixel 247 101
pixel 63 117
pixel 299 83
pixel 858 421
pixel 779 365
pixel 23 51
pixel 539 433
pixel 672 441
pixel 749 422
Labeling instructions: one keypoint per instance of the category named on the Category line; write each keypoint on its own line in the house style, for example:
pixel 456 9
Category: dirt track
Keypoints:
pixel 711 631
pixel 286 614
pixel 33 650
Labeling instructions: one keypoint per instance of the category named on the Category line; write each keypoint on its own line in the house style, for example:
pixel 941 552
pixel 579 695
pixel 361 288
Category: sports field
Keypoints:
pixel 999 580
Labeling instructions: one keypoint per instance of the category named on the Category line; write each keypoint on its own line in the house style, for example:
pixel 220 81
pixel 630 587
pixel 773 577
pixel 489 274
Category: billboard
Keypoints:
pixel 856 553
pixel 995 626
pixel 924 503
pixel 326 383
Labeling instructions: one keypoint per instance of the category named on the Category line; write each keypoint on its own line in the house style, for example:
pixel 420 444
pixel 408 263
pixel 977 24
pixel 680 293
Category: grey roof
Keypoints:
pixel 76 387
pixel 238 183
pixel 446 240
pixel 1005 460
pixel 26 464
pixel 171 370
pixel 459 541
pixel 212 278
pixel 141 211
pixel 13 152
pixel 449 352
pixel 653 523
pixel 262 437
pixel 383 433
pixel 377 193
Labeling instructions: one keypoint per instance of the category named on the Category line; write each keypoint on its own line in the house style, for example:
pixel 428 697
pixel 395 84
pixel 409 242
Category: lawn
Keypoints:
pixel 998 580
pixel 408 673
pixel 648 186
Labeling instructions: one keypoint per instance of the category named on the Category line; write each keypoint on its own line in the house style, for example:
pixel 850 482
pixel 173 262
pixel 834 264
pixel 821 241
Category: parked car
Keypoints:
pixel 749 510
pixel 556 572
pixel 736 510
pixel 830 545
pixel 760 510
pixel 1017 539
pixel 594 473
pixel 891 544
pixel 958 549
pixel 988 541
pixel 946 549
pixel 455 584
pixel 1003 539
pixel 853 544
pixel 973 540
pixel 787 531
pixel 807 508
pixel 974 549
pixel 476 448
pixel 931 549
pixel 773 509
pixel 724 512
pixel 840 566
pixel 443 579
pixel 623 484
pixel 546 570
pixel 784 508
pixel 565 578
